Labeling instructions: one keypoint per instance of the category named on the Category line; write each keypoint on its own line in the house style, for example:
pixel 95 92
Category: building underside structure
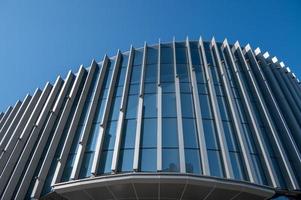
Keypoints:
pixel 180 120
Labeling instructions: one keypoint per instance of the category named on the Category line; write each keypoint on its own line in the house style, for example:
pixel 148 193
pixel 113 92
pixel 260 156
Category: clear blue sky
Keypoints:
pixel 42 39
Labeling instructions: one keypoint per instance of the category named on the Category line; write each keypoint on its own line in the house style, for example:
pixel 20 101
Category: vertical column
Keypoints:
pixel 12 126
pixel 234 114
pixel 83 141
pixel 45 122
pixel 159 113
pixel 39 183
pixel 10 118
pixel 1 115
pixel 291 85
pixel 7 112
pixel 30 127
pixel 285 135
pixel 139 112
pixel 197 110
pixel 104 120
pixel 28 175
pixel 179 113
pixel 253 121
pixel 72 130
pixel 122 110
pixel 277 146
pixel 7 148
pixel 217 117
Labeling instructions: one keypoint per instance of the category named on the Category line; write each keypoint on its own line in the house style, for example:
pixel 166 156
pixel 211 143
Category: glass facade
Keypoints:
pixel 236 119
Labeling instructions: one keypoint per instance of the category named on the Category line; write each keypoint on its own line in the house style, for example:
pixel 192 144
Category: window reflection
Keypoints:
pixel 170 160
pixel 190 133
pixel 149 133
pixel 215 163
pixel 169 105
pixel 126 160
pixel 148 160
pixel 169 132
pixel 152 55
pixel 149 106
pixel 166 55
pixel 192 159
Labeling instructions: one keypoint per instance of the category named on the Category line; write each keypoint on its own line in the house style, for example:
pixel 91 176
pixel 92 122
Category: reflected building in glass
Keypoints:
pixel 182 120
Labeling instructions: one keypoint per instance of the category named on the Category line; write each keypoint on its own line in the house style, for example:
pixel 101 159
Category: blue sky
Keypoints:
pixel 42 39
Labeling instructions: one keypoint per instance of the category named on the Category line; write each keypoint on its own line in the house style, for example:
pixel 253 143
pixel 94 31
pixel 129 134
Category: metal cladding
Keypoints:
pixel 181 116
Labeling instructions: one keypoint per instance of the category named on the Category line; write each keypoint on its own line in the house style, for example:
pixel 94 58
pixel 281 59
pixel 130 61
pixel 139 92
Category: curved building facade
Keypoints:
pixel 180 120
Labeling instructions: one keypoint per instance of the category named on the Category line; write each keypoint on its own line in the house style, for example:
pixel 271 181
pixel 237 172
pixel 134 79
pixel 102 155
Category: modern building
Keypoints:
pixel 181 120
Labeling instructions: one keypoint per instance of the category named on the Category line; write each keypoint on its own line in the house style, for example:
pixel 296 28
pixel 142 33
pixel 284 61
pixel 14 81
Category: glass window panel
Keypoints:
pixel 237 166
pixel 112 63
pixel 202 88
pixel 278 172
pixel 136 74
pixel 190 133
pixel 92 86
pixel 210 135
pixel 185 87
pixel 200 75
pixel 230 137
pixel 218 90
pixel 208 53
pixel 91 144
pixel 110 134
pixel 84 115
pixel 205 106
pixel 121 77
pixel 235 92
pixel 193 163
pixel 169 132
pixel 249 138
pixel 151 73
pixel 119 91
pixel 108 78
pixel 150 106
pixel 258 170
pixel 166 55
pixel 215 164
pixel 105 162
pixel 152 55
pixel 194 45
pixel 134 89
pixel 149 133
pixel 170 160
pixel 131 107
pixel 99 111
pixel 115 109
pixel 76 139
pixel 195 57
pixel 150 88
pixel 86 166
pixel 222 108
pixel 125 59
pixel 68 168
pixel 128 136
pixel 105 93
pixel 168 87
pixel 181 55
pixel 169 105
pixel 187 105
pixel 148 160
pixel 138 57
pixel 214 75
pixel 241 111
pixel 126 160
pixel 166 73
pixel 182 72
